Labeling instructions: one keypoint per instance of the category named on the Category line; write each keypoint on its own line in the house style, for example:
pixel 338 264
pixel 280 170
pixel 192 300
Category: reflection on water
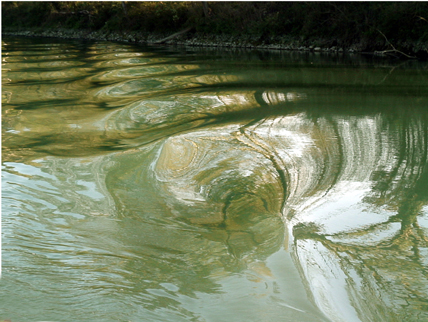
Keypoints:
pixel 147 184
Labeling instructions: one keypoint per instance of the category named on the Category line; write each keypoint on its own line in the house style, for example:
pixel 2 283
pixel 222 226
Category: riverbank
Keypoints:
pixel 390 29
pixel 414 50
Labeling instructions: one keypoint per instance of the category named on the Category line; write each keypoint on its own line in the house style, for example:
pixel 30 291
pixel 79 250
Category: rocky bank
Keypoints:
pixel 408 50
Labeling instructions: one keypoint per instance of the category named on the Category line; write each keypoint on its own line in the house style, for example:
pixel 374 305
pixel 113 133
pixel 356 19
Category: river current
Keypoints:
pixel 174 184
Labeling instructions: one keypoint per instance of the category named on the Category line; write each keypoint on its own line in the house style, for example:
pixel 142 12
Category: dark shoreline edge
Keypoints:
pixel 415 50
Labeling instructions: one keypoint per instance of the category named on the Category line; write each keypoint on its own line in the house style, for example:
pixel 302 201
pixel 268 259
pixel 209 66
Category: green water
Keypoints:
pixel 161 184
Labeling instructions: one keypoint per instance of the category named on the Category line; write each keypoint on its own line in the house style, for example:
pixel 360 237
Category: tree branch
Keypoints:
pixel 173 36
pixel 393 50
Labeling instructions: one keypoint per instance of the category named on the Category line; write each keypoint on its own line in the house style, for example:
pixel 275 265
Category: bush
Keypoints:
pixel 344 22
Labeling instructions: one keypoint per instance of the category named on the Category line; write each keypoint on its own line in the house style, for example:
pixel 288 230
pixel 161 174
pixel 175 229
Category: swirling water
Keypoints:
pixel 159 184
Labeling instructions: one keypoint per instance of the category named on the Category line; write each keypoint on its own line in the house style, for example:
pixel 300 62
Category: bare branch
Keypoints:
pixel 173 35
pixel 394 50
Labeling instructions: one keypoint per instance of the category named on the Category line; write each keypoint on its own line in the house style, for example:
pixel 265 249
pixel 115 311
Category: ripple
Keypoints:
pixel 148 71
pixel 215 172
pixel 158 185
pixel 46 65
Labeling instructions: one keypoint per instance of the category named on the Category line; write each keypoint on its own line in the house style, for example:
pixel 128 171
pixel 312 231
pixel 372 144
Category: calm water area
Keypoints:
pixel 185 184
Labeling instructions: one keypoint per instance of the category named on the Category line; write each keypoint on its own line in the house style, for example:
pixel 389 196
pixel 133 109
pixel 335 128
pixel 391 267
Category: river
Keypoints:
pixel 190 184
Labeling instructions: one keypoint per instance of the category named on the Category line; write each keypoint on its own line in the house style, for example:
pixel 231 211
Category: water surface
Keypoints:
pixel 162 184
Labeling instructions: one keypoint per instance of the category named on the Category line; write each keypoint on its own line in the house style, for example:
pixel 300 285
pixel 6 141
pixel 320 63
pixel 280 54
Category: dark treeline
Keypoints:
pixel 370 23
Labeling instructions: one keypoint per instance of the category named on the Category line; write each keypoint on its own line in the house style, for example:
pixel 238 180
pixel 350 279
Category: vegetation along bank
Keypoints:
pixel 397 29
